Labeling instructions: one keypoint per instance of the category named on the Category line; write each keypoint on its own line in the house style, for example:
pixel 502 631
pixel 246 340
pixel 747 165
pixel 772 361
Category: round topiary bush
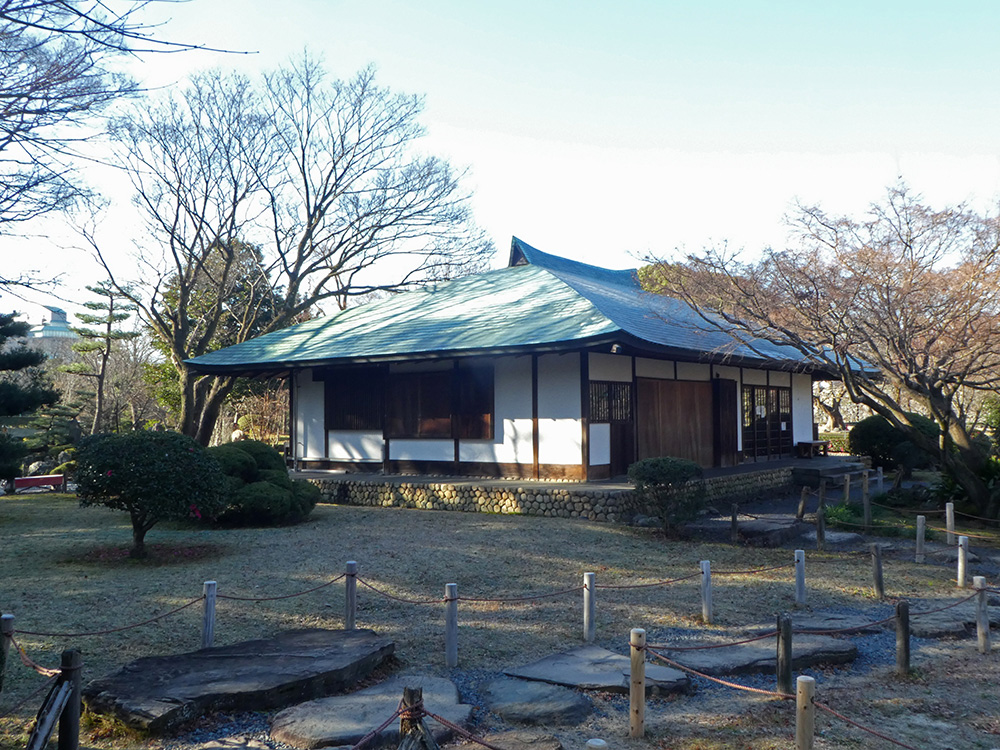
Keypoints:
pixel 267 458
pixel 235 462
pixel 888 446
pixel 259 488
pixel 261 502
pixel 154 476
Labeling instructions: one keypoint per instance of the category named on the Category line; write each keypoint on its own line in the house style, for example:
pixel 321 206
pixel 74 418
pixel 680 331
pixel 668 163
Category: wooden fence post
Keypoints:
pixel 821 527
pixel 880 480
pixel 351 595
pixel 805 712
pixel 822 491
pixel 706 592
pixel 784 660
pixel 451 625
pixel 963 561
pixel 847 488
pixel 921 535
pixel 69 720
pixel 949 522
pixel 6 633
pixel 589 625
pixel 878 581
pixel 800 576
pixel 637 683
pixel 902 637
pixel 208 614
pixel 982 615
pixel 734 526
pixel 866 502
pixel 801 512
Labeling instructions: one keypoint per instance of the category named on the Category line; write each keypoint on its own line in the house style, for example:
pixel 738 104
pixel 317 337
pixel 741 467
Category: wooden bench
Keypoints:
pixel 56 481
pixel 810 448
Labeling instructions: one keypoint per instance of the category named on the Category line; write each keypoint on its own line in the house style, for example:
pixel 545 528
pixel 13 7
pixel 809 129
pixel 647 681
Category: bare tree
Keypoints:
pixel 60 70
pixel 904 305
pixel 319 177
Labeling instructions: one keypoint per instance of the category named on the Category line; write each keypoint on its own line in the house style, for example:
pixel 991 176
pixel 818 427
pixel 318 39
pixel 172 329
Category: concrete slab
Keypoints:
pixel 531 702
pixel 824 620
pixel 155 694
pixel 835 538
pixel 345 719
pixel 595 668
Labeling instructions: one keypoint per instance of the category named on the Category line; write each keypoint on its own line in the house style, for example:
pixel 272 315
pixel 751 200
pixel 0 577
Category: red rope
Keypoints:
pixel 285 596
pixel 398 598
pixel 646 585
pixel 30 664
pixel 942 609
pixel 824 707
pixel 17 706
pixel 374 733
pixel 769 634
pixel 114 630
pixel 522 598
pixel 460 730
pixel 750 572
pixel 735 685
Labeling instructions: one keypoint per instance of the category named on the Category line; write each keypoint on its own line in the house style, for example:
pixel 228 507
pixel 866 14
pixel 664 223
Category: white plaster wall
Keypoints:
pixel 727 372
pixel 802 408
pixel 610 367
pixel 693 371
pixel 560 435
pixel 600 444
pixel 653 368
pixel 422 450
pixel 781 378
pixel 754 377
pixel 512 411
pixel 355 445
pixel 309 417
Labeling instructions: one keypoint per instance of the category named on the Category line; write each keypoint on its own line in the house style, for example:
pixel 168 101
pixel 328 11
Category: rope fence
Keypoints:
pixel 451 601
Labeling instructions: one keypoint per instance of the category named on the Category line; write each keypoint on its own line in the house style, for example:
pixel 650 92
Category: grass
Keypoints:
pixel 66 570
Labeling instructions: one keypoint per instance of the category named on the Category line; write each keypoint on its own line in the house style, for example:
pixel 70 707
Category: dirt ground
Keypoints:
pixel 65 572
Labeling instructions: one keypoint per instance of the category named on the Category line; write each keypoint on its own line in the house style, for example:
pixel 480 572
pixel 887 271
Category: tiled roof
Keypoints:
pixel 540 302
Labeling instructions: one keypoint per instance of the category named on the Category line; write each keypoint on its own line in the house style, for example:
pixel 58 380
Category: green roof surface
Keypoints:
pixel 540 301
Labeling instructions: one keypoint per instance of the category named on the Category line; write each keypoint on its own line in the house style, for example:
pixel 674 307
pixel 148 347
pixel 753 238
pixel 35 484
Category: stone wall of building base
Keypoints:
pixel 558 500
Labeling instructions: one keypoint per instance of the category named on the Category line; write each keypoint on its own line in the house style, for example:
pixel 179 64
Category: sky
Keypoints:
pixel 606 132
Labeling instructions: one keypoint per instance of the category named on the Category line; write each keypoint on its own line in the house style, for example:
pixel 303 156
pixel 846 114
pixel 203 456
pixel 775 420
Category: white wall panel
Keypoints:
pixel 512 411
pixel 693 371
pixel 355 445
pixel 600 444
pixel 654 368
pixel 422 450
pixel 802 408
pixel 610 367
pixel 560 435
pixel 754 377
pixel 309 417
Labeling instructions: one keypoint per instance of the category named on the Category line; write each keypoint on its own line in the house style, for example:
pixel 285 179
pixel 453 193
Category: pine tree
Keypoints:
pixel 23 389
pixel 112 310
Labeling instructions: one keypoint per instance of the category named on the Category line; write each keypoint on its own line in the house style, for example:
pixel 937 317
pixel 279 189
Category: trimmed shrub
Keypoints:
pixel 235 462
pixel 262 502
pixel 837 440
pixel 267 458
pixel 667 485
pixel 154 476
pixel 889 446
pixel 259 488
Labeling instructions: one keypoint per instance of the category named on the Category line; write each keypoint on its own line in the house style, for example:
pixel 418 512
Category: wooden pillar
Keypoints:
pixel 903 637
pixel 982 615
pixel 534 416
pixel 921 534
pixel 69 719
pixel 784 656
pixel 805 712
pixel 208 614
pixel 351 595
pixel 6 634
pixel 585 413
pixel 637 683
pixel 451 625
pixel 589 625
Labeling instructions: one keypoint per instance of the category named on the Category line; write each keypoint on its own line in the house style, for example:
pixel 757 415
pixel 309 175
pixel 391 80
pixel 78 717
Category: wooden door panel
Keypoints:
pixel 675 419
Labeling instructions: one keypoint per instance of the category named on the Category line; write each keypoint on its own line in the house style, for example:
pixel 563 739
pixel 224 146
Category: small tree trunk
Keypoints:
pixel 138 550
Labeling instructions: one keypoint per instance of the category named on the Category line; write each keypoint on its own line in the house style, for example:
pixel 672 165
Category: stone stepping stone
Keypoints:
pixel 835 538
pixel 823 620
pixel 761 656
pixel 530 702
pixel 595 668
pixel 519 740
pixel 345 719
pixel 155 694
pixel 956 622
pixel 950 555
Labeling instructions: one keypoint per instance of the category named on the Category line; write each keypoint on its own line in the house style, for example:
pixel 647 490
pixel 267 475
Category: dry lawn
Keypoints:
pixel 64 572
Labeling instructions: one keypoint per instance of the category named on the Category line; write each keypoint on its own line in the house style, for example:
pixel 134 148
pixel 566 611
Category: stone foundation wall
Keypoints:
pixel 557 500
